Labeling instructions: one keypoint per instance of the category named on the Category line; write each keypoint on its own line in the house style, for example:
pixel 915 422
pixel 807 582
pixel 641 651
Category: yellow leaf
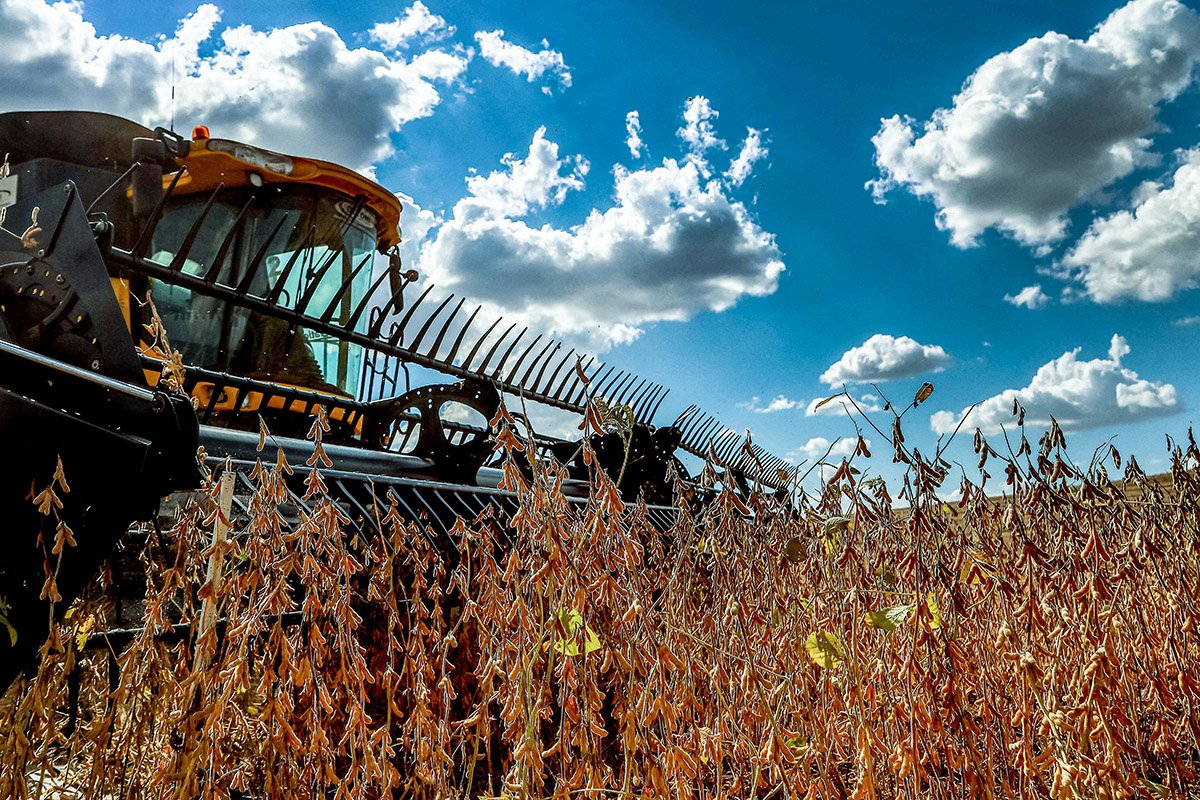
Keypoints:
pixel 832 543
pixel 825 649
pixel 935 611
pixel 83 631
pixel 571 620
pixel 976 565
pixel 888 619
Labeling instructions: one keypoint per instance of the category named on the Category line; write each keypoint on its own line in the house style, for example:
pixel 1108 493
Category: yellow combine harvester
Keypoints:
pixel 278 282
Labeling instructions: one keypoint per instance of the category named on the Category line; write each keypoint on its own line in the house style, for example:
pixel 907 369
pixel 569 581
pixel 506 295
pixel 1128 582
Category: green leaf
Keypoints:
pixel 836 525
pixel 888 619
pixel 825 649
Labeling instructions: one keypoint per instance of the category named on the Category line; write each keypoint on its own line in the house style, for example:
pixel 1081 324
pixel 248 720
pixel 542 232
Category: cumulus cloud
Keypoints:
pixel 753 150
pixel 817 447
pixel 286 88
pixel 527 184
pixel 841 406
pixel 778 403
pixel 522 61
pixel 1184 322
pixel 633 134
pixel 671 245
pixel 1149 252
pixel 418 226
pixel 1079 394
pixel 883 358
pixel 1038 129
pixel 1031 297
pixel 417 25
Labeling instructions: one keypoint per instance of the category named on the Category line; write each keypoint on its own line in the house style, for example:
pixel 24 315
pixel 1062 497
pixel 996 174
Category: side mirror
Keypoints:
pixel 399 278
pixel 152 156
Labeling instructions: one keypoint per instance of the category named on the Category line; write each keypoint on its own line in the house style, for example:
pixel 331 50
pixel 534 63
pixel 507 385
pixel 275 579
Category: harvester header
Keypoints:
pixel 158 293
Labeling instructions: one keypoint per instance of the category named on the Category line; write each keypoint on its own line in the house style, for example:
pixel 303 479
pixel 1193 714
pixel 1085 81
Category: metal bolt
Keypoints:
pixel 95 365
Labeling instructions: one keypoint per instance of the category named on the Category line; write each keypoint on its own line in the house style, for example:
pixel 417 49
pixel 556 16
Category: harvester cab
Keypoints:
pixel 306 235
pixel 158 294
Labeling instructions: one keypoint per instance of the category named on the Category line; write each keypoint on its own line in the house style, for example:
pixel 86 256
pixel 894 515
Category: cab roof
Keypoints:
pixel 214 162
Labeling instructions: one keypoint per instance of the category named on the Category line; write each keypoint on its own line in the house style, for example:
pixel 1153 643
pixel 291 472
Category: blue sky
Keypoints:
pixel 1055 162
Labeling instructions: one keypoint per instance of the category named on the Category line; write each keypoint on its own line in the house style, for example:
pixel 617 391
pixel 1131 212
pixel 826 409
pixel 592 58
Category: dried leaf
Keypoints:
pixel 826 400
pixel 1156 790
pixel 793 550
pixel 12 632
pixel 923 393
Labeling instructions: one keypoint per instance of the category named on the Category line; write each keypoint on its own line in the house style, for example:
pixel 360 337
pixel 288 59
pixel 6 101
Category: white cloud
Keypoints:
pixel 817 447
pixel 778 403
pixel 500 53
pixel 1040 128
pixel 284 88
pixel 417 226
pixel 753 150
pixel 1031 297
pixel 528 184
pixel 416 25
pixel 841 406
pixel 633 134
pixel 1079 394
pixel 698 131
pixel 671 245
pixel 1149 253
pixel 1184 322
pixel 883 358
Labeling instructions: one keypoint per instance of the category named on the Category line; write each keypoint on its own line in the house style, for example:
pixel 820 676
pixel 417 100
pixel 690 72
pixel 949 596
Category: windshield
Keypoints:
pixel 326 250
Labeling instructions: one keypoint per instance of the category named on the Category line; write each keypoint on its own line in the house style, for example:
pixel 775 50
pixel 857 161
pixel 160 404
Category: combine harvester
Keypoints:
pixel 278 279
